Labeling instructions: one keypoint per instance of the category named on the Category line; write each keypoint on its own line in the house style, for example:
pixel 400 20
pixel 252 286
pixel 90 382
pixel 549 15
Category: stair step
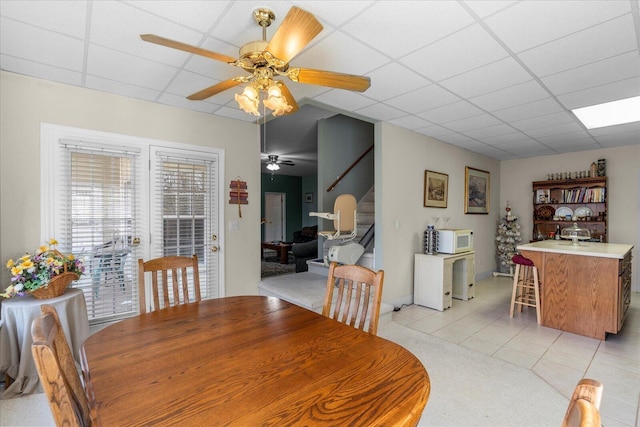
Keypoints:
pixel 366 206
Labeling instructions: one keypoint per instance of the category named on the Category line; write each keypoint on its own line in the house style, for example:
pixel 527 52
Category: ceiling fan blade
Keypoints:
pixel 286 163
pixel 298 28
pixel 290 99
pixel 152 38
pixel 330 79
pixel 213 90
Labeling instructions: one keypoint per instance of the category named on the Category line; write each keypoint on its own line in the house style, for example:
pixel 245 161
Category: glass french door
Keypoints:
pixel 113 199
pixel 185 220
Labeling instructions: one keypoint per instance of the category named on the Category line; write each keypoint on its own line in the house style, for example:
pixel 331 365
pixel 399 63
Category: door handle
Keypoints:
pixel 214 249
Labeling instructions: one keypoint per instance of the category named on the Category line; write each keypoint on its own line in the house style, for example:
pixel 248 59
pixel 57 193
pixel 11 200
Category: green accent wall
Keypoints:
pixel 292 187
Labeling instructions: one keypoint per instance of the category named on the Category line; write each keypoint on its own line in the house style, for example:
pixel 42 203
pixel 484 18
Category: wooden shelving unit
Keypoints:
pixel 579 196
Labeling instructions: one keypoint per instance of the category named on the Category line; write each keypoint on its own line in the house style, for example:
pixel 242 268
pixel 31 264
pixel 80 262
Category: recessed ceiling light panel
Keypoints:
pixel 610 113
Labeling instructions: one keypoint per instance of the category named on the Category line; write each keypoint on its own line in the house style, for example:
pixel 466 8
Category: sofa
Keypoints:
pixel 305 247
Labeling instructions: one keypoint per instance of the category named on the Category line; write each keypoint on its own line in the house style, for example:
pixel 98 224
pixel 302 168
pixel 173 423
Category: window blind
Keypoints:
pixel 183 191
pixel 100 207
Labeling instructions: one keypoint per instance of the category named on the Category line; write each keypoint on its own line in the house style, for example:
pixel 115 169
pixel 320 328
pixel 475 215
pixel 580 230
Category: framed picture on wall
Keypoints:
pixel 308 197
pixel 436 188
pixel 476 191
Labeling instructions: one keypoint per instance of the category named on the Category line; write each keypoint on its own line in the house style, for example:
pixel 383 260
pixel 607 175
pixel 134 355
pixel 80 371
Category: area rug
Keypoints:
pixel 271 266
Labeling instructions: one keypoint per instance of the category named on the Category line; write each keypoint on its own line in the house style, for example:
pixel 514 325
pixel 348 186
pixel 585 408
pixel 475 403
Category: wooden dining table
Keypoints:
pixel 249 361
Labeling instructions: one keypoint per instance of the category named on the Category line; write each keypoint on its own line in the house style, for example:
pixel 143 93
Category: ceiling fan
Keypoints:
pixel 273 164
pixel 263 60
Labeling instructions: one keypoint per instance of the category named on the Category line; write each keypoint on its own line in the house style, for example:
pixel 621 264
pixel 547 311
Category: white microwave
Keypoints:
pixel 454 241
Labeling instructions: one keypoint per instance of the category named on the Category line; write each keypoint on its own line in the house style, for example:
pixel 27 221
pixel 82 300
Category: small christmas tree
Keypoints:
pixel 507 239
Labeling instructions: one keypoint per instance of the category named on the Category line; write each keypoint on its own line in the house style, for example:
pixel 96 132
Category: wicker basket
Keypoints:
pixel 56 286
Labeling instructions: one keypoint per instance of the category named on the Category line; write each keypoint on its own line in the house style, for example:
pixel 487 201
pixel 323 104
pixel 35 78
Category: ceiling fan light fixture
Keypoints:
pixel 248 100
pixel 276 102
pixel 273 166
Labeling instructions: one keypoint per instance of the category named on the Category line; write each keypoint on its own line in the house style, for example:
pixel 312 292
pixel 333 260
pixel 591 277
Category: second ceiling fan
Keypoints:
pixel 264 60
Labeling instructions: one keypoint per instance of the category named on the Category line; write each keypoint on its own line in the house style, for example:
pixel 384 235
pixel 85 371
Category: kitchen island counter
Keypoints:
pixel 585 289
pixel 597 249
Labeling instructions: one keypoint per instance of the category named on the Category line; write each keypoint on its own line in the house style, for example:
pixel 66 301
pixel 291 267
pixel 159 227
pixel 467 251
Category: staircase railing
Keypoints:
pixel 337 181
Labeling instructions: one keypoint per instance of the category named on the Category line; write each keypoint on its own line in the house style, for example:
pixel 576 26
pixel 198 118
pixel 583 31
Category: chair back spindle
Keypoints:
pixel 169 281
pixel 353 296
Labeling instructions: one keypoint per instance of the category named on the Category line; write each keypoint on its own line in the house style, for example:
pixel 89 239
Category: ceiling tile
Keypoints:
pixel 554 130
pixel 547 120
pixel 529 110
pixel 440 68
pixel 300 90
pixel 236 24
pixel 40 46
pixel 460 140
pixel 470 123
pixel 186 83
pixel 573 148
pixel 108 63
pixel 530 149
pixel 336 12
pixel 532 23
pixel 489 131
pixel 345 100
pixel 580 138
pixel 118 26
pixel 208 67
pixel 182 102
pixel 622 89
pixel 410 122
pixel 486 8
pixel 111 86
pixel 494 152
pixel 377 26
pixel 197 15
pixel 511 96
pixel 462 51
pixel 619 139
pixel 422 99
pixel 42 71
pixel 516 140
pixel 435 131
pixel 404 80
pixel 489 78
pixel 447 113
pixel 609 70
pixel 65 17
pixel 340 53
pixel 381 112
pixel 604 40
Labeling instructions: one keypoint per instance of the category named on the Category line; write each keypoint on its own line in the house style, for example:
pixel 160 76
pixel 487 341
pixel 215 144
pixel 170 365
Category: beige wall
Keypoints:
pixel 623 173
pixel 26 102
pixel 401 158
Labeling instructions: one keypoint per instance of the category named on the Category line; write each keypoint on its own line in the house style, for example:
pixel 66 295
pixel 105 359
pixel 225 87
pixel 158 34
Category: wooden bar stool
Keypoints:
pixel 526 286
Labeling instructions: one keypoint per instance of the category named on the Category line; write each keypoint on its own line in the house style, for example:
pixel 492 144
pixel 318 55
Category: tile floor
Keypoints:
pixel 560 358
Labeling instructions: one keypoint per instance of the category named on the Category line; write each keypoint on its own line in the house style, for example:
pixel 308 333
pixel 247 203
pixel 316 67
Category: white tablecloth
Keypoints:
pixel 15 336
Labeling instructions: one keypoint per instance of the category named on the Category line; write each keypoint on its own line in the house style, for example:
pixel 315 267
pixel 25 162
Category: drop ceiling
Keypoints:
pixel 498 78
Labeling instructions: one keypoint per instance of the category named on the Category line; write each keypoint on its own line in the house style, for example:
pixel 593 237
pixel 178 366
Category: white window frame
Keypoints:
pixel 51 135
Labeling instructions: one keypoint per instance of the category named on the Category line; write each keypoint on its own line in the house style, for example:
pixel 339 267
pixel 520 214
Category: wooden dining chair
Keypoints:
pixel 169 281
pixel 57 371
pixel 584 405
pixel 358 294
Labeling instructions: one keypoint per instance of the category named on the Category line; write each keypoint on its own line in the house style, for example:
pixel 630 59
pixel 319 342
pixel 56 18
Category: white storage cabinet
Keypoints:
pixel 439 278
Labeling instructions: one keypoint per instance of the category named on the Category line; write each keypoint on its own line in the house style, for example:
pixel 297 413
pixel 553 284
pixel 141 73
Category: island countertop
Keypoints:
pixel 596 249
